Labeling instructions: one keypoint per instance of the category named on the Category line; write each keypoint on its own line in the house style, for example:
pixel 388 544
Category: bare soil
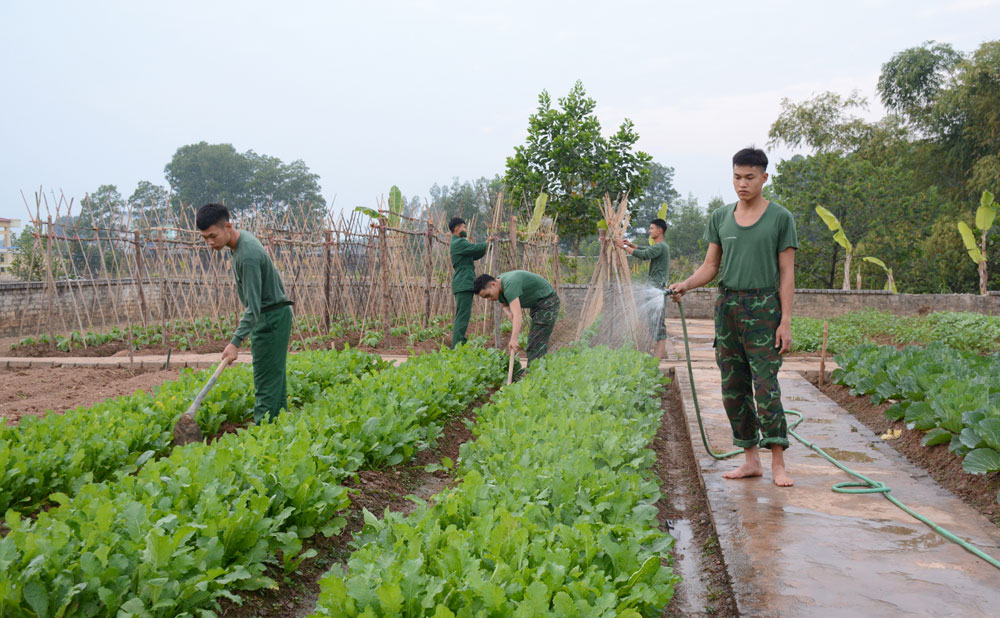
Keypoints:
pixel 978 491
pixel 684 511
pixel 37 391
pixel 374 490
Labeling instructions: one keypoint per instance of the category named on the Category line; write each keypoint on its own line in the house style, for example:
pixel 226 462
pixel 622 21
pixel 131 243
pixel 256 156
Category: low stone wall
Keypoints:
pixel 24 306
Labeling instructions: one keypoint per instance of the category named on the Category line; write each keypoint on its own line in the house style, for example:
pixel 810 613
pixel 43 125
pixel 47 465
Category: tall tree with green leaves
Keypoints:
pixel 659 190
pixel 566 157
pixel 246 182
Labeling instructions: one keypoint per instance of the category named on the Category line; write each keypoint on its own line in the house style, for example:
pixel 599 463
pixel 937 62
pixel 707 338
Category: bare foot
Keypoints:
pixel 781 478
pixel 747 470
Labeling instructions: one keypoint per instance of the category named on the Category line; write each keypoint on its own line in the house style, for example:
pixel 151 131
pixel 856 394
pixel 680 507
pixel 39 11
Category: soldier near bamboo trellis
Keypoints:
pixel 463 256
pixel 517 290
pixel 752 249
pixel 658 254
pixel 267 318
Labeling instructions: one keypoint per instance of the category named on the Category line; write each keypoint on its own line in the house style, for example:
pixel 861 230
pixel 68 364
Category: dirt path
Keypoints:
pixel 684 512
pixel 36 391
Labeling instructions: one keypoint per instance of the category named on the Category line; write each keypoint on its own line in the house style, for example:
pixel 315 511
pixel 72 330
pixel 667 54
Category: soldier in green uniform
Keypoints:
pixel 463 254
pixel 517 290
pixel 752 250
pixel 658 254
pixel 267 318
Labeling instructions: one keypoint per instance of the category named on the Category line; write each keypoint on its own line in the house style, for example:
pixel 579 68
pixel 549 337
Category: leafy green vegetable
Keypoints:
pixel 203 522
pixel 555 513
pixel 953 395
pixel 60 452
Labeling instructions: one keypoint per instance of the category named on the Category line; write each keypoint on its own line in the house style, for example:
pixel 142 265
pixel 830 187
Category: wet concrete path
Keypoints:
pixel 807 551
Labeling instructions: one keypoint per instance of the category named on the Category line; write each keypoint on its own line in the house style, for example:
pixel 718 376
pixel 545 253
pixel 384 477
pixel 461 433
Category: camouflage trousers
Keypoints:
pixel 659 327
pixel 745 325
pixel 543 318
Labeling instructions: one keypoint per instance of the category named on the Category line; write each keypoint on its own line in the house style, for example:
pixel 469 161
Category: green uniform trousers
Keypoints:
pixel 463 311
pixel 543 318
pixel 659 329
pixel 745 325
pixel 269 346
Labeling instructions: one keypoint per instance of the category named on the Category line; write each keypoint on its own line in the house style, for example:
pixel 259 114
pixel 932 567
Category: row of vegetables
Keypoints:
pixel 58 453
pixel 953 396
pixel 175 535
pixel 555 513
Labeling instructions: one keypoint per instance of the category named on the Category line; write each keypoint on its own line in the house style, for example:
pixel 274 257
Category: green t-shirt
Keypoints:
pixel 529 287
pixel 750 254
pixel 659 262
pixel 463 254
pixel 257 283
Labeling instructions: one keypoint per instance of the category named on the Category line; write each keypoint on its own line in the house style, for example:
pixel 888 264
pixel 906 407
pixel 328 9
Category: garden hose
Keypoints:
pixel 864 485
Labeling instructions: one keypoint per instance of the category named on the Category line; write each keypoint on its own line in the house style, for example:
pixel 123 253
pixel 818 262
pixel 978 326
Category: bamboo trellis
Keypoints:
pixel 149 266
pixel 612 279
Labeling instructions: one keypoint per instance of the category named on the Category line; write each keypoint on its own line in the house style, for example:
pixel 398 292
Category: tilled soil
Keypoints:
pixel 374 490
pixel 978 491
pixel 37 391
pixel 705 589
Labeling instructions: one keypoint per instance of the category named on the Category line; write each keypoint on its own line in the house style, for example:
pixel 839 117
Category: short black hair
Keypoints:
pixel 660 223
pixel 480 283
pixel 751 157
pixel 211 214
pixel 455 222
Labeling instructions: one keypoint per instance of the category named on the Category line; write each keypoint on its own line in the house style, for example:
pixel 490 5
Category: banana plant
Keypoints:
pixel 890 283
pixel 395 205
pixel 985 215
pixel 841 239
pixel 537 213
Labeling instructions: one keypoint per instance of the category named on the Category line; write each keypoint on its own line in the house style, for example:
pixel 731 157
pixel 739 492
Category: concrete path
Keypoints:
pixel 807 551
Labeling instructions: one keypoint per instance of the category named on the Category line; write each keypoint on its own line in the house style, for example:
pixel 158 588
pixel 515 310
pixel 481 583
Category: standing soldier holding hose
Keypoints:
pixel 752 249
pixel 658 254
pixel 463 256
pixel 268 315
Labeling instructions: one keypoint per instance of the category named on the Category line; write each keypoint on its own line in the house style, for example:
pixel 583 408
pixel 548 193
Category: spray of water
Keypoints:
pixel 615 327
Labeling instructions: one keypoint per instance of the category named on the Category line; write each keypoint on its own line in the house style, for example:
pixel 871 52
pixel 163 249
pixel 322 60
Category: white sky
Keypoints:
pixel 372 94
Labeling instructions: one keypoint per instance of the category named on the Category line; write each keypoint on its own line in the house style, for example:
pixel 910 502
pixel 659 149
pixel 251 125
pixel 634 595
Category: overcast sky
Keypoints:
pixel 371 94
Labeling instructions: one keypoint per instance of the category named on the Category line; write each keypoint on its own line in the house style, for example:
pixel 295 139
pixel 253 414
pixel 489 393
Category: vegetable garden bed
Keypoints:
pixel 971 332
pixel 204 522
pixel 947 399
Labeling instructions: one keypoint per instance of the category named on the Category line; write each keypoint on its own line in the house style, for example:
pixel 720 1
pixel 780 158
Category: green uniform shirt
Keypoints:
pixel 529 287
pixel 257 283
pixel 750 254
pixel 463 254
pixel 659 262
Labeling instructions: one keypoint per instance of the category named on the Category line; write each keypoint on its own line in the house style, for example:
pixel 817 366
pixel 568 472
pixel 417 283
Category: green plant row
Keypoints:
pixel 205 522
pixel 970 332
pixel 61 452
pixel 555 514
pixel 953 396
pixel 185 335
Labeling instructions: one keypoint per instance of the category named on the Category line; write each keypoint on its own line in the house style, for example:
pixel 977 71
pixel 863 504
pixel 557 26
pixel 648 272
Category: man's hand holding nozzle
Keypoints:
pixel 675 291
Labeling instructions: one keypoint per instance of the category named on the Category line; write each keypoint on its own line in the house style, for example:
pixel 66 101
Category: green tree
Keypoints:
pixel 149 204
pixel 876 205
pixel 29 257
pixel 249 182
pixel 471 200
pixel 659 190
pixel 566 157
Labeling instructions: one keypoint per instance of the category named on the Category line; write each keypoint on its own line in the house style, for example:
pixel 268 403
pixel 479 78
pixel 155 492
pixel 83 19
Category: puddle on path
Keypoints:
pixel 845 456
